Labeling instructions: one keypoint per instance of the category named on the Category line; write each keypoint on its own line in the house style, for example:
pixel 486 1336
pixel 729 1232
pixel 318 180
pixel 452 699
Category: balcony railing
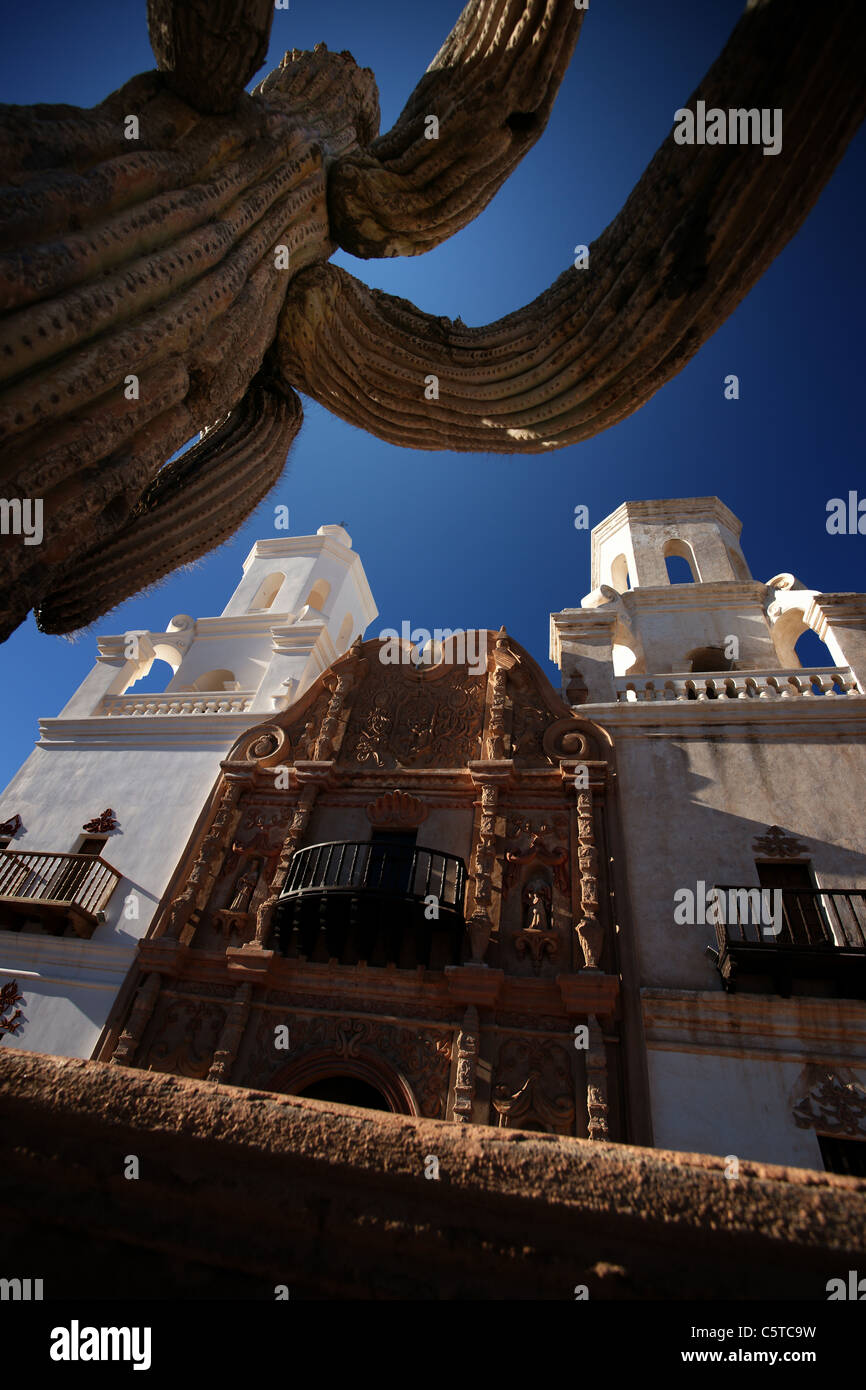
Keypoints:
pixel 140 706
pixel 817 935
pixel 70 888
pixel 375 902
pixel 803 683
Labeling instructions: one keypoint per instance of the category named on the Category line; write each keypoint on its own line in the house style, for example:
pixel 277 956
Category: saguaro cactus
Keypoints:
pixel 163 269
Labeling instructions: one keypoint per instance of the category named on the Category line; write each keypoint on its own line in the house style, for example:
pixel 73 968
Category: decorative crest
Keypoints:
pixel 102 825
pixel 397 810
pixel 778 845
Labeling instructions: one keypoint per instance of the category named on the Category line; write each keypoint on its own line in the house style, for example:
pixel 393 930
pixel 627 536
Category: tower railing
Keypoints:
pixel 207 702
pixel 804 683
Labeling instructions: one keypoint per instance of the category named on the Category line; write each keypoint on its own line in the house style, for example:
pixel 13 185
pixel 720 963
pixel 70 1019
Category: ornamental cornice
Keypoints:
pixel 239 625
pixel 830 610
pixel 667 512
pixel 89 964
pixel 710 596
pixel 756 1025
pixel 809 718
pixel 218 731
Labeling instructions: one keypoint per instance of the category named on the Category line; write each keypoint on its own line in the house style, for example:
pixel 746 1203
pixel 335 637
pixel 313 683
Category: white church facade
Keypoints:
pixel 150 760
pixel 728 1013
pixel 742 770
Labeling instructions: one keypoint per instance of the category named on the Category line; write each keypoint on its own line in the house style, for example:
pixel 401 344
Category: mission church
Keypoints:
pixel 445 889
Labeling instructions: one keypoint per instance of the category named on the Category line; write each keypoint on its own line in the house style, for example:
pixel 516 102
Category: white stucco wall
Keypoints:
pixel 728 1074
pixel 725 1105
pixel 696 792
pixel 156 788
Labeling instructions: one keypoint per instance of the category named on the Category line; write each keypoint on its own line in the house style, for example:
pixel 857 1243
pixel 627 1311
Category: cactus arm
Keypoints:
pixel 193 505
pixel 700 228
pixel 491 87
pixel 209 49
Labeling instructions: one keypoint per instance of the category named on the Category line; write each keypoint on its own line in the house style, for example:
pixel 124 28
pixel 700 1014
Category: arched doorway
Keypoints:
pixel 320 1075
pixel 346 1090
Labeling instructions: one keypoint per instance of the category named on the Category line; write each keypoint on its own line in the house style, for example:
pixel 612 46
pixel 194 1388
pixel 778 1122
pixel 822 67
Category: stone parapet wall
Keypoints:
pixel 240 1191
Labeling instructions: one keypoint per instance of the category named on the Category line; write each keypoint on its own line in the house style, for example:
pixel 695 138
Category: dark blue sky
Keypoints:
pixel 477 540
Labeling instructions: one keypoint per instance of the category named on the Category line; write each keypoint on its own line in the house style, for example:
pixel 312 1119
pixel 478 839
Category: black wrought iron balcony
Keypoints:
pixel 54 891
pixel 373 901
pixel 807 940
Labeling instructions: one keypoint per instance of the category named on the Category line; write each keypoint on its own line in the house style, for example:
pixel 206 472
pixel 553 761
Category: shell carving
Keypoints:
pixel 397 810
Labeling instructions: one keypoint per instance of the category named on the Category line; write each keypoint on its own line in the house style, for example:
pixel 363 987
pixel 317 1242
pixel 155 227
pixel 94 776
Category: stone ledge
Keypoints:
pixel 241 1190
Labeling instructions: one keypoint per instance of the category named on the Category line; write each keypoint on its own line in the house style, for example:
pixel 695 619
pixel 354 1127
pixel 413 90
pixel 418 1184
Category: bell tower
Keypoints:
pixel 631 546
pixel 641 619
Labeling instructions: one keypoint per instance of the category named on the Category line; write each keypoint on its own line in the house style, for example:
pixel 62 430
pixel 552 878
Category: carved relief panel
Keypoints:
pixel 242 882
pixel 409 719
pixel 386 1053
pixel 534 1086
pixel 182 1036
pixel 536 909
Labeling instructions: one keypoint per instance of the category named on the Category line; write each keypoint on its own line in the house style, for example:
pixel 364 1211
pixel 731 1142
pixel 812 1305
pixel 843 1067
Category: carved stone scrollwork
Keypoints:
pixel 145 1002
pixel 186 1031
pixel 410 1066
pixel 102 824
pixel 546 844
pixel 268 745
pixel 497 744
pixel 536 944
pixel 534 1086
pixel 230 1038
pixel 590 931
pixel 833 1106
pixel 480 924
pixel 596 1083
pixel 198 885
pixel 238 925
pixel 326 743
pixel 467 1066
pixel 299 823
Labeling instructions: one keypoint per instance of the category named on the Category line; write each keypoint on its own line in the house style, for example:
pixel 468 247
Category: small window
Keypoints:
pixel 679 557
pixel 318 595
pixel 92 844
pixel 5 841
pixel 846 1156
pixel 217 680
pixel 619 575
pixel 710 659
pixel 267 591
pixel 802 922
pixel 679 570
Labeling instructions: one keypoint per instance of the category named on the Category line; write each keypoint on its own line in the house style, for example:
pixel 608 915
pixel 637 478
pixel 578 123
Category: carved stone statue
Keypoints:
pixel 245 887
pixel 536 915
